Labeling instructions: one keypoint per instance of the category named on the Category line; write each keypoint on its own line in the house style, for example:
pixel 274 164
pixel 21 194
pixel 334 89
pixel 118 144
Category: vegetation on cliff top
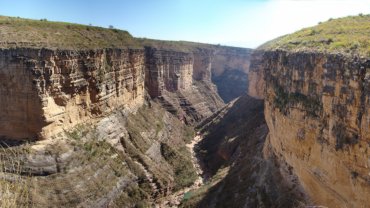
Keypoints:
pixel 349 35
pixel 19 32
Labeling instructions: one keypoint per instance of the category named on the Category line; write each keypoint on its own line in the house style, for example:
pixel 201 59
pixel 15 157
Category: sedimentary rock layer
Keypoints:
pixel 230 69
pixel 317 107
pixel 43 91
pixel 168 70
pixel 181 82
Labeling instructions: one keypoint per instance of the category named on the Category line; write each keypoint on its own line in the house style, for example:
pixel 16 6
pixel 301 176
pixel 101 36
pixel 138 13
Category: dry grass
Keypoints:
pixel 19 32
pixel 348 35
pixel 14 188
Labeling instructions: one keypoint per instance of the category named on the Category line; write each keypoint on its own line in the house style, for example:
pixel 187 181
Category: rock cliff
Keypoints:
pixel 180 81
pixel 230 69
pixel 45 91
pixel 317 110
pixel 189 83
pixel 122 160
pixel 92 117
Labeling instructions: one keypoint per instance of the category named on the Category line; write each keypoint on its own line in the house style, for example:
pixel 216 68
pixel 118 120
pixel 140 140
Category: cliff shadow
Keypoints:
pixel 234 139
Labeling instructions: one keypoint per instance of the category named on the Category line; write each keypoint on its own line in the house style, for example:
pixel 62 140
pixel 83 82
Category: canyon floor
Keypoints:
pixel 174 199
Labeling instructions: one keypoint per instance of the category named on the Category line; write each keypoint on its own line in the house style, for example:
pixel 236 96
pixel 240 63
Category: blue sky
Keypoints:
pixel 245 23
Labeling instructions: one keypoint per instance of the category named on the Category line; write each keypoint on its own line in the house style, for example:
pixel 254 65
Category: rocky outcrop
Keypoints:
pixel 170 71
pixel 230 69
pixel 181 82
pixel 189 83
pixel 317 110
pixel 256 76
pixel 45 91
pixel 120 161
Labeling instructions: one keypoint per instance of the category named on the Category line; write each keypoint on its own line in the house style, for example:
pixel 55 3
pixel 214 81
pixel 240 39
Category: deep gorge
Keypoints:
pixel 103 119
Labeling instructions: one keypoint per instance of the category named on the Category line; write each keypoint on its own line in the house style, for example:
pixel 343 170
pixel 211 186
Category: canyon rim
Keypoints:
pixel 95 117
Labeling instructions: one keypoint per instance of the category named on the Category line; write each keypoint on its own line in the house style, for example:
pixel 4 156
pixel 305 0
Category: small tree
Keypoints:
pixel 111 27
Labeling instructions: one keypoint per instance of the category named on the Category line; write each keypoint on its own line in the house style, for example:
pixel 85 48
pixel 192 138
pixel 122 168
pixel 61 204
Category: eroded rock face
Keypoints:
pixel 317 107
pixel 256 76
pixel 168 71
pixel 181 82
pixel 44 91
pixel 230 69
pixel 194 84
pixel 47 91
pixel 124 160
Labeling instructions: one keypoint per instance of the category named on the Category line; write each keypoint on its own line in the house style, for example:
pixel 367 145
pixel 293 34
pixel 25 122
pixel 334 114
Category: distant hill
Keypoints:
pixel 344 35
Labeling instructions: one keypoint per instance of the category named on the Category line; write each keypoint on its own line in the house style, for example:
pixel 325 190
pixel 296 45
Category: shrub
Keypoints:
pixel 184 171
pixel 343 137
pixel 283 100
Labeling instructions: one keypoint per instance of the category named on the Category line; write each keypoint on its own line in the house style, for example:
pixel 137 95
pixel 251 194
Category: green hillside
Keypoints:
pixel 349 35
pixel 19 32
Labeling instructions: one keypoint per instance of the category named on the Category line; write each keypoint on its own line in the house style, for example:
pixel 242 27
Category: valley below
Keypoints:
pixel 175 199
pixel 94 117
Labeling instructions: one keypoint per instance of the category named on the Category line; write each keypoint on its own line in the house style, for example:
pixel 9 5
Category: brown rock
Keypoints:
pixel 44 91
pixel 326 96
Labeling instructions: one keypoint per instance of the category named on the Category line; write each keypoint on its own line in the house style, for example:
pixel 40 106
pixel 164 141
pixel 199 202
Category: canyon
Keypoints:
pixel 98 118
pixel 57 90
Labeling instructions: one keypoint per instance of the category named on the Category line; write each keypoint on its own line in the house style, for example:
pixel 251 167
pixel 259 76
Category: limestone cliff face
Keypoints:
pixel 181 82
pixel 256 76
pixel 230 69
pixel 168 71
pixel 317 108
pixel 191 83
pixel 45 91
pixel 125 159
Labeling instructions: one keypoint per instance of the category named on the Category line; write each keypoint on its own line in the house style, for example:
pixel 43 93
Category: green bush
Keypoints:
pixel 284 100
pixel 185 174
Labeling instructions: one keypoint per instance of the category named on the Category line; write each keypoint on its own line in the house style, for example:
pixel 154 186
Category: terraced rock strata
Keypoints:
pixel 120 161
pixel 317 109
pixel 46 91
pixel 230 69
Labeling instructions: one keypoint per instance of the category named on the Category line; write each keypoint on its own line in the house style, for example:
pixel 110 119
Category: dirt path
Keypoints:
pixel 174 199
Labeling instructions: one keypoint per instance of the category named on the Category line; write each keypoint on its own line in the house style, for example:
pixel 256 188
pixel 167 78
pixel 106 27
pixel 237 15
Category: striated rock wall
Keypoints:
pixel 256 76
pixel 44 91
pixel 203 59
pixel 167 70
pixel 230 58
pixel 193 84
pixel 317 107
pixel 230 69
pixel 124 160
pixel 181 82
